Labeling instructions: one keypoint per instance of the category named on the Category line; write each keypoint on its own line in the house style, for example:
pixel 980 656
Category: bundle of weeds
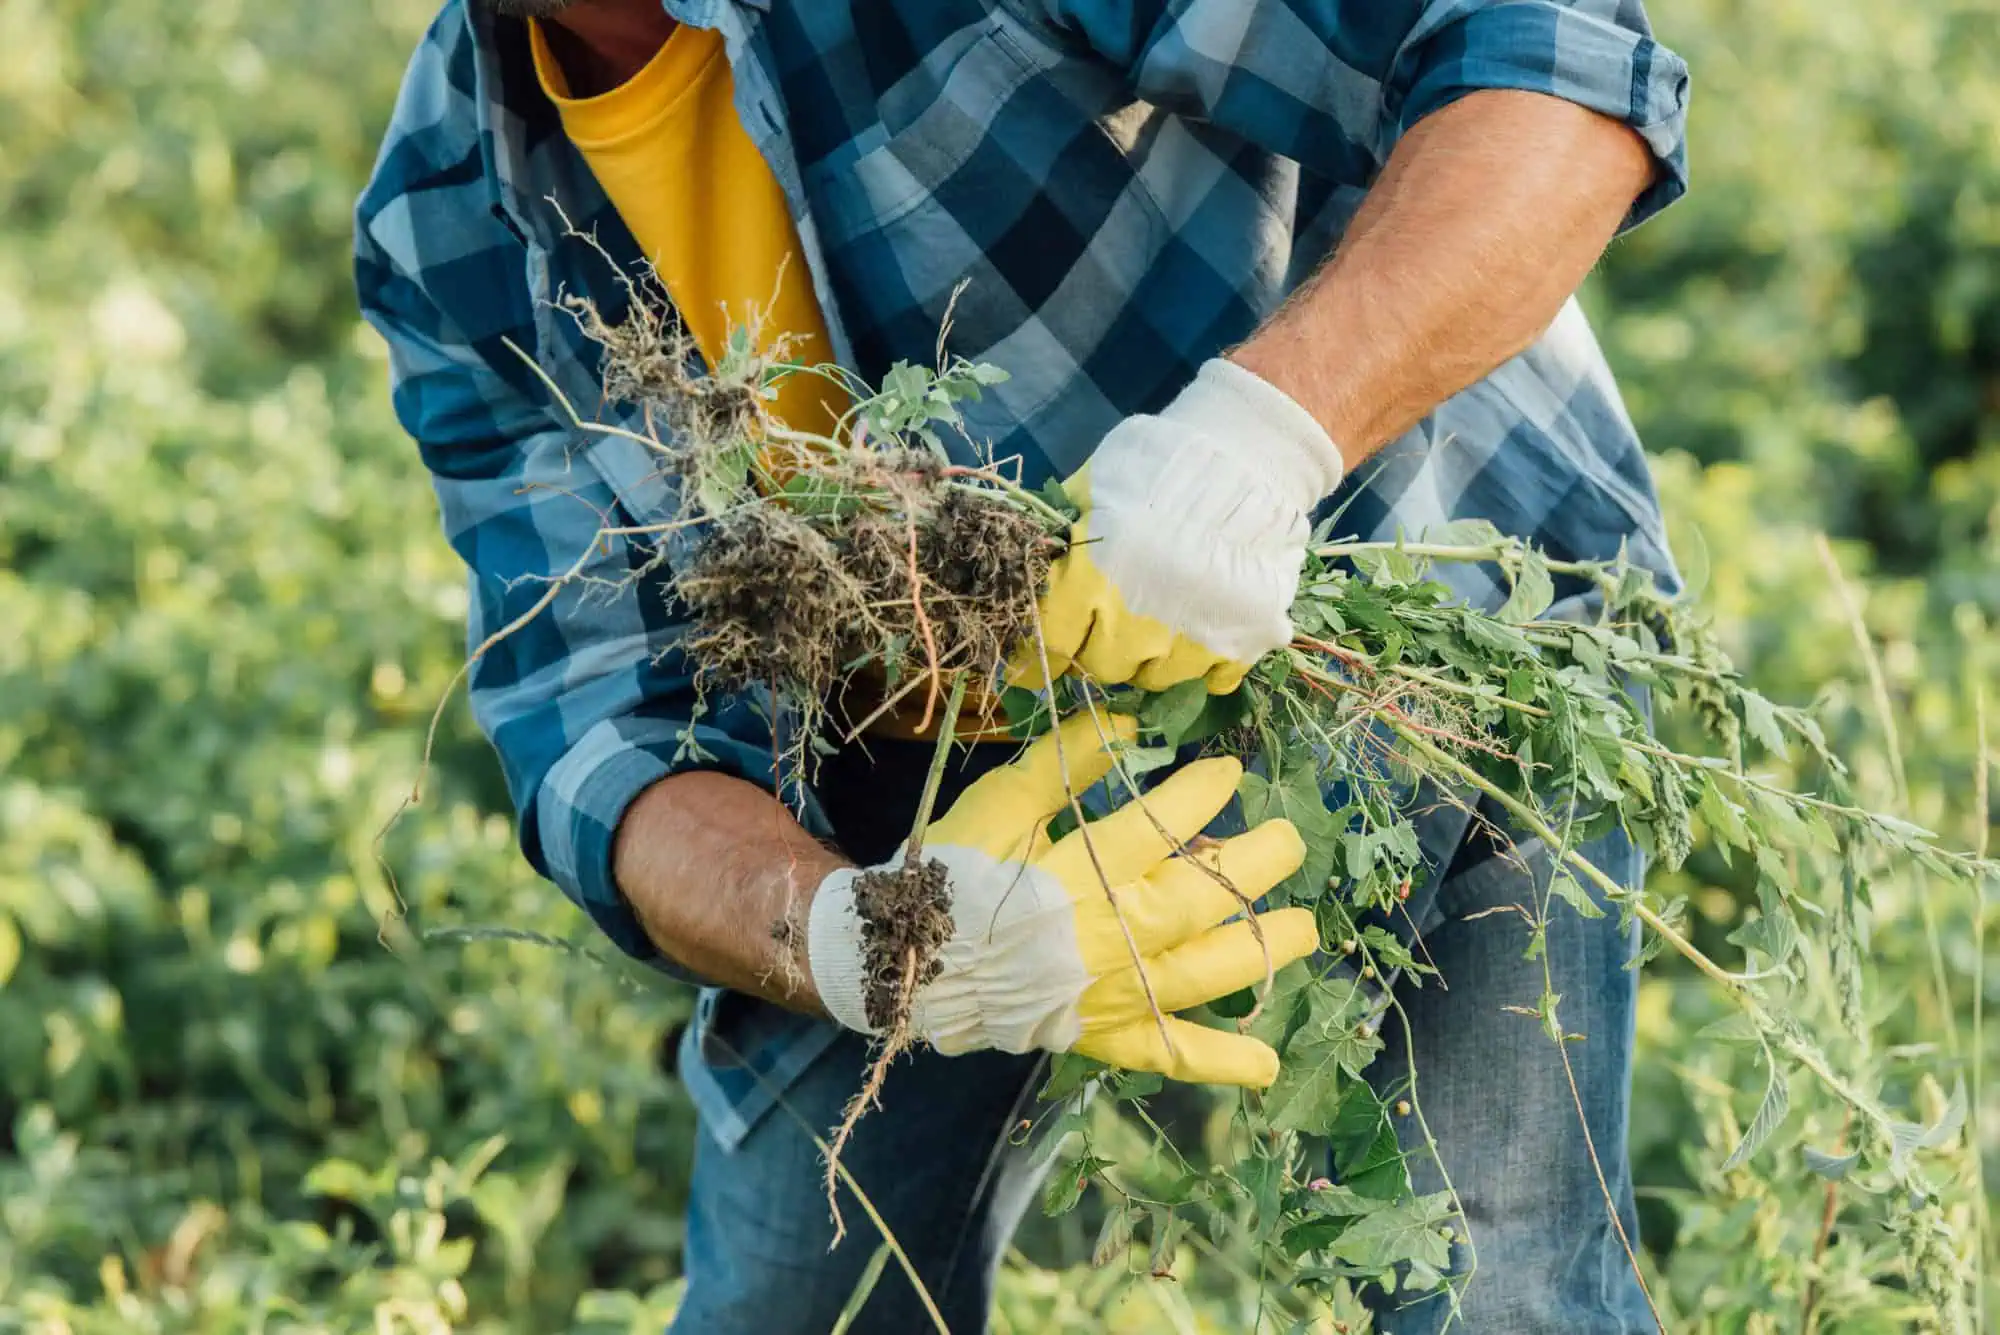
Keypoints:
pixel 822 562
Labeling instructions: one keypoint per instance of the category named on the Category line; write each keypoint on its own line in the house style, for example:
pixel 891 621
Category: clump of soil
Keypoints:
pixel 916 577
pixel 905 914
pixel 817 560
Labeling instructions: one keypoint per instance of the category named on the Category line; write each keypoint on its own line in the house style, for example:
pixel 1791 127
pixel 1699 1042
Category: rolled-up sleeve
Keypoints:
pixel 1333 84
pixel 1599 54
pixel 577 677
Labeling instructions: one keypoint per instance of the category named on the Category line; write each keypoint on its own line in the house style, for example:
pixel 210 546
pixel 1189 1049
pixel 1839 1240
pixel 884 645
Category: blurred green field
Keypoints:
pixel 226 612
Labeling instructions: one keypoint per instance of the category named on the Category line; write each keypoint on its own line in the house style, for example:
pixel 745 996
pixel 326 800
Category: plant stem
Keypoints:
pixel 947 735
pixel 1738 990
pixel 1971 864
pixel 1982 1207
pixel 1885 719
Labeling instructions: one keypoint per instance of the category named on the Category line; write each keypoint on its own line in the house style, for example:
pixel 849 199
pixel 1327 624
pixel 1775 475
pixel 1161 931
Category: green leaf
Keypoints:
pixel 1906 1138
pixel 1338 1201
pixel 1760 717
pixel 1173 711
pixel 1235 1005
pixel 1571 892
pixel 1027 712
pixel 1389 953
pixel 1545 1007
pixel 1770 1115
pixel 1464 533
pixel 341 1180
pixel 1292 988
pixel 1053 496
pixel 1410 1231
pixel 1067 1073
pixel 1166 1234
pixel 1138 760
pixel 1068 1181
pixel 1263 1179
pixel 1367 1157
pixel 1495 636
pixel 1219 713
pixel 1585 648
pixel 1330 1048
pixel 1724 817
pixel 1533 590
pixel 1735 1027
pixel 1832 1167
pixel 1114 1236
pixel 1137 1084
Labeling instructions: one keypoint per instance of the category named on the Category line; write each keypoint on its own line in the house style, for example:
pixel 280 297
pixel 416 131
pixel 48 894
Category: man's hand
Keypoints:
pixel 1486 217
pixel 1038 957
pixel 1193 533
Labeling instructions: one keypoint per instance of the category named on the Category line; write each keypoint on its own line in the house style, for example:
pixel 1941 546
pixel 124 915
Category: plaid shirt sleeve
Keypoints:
pixel 586 701
pixel 1326 81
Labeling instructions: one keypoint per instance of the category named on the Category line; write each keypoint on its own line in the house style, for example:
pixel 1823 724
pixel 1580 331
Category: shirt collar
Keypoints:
pixel 518 122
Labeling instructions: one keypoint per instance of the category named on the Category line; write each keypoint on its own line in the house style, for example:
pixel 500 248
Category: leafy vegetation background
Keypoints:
pixel 228 1103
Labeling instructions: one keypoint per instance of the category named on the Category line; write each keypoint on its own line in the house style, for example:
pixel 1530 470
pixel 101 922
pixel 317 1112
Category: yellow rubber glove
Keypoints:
pixel 1187 556
pixel 1037 956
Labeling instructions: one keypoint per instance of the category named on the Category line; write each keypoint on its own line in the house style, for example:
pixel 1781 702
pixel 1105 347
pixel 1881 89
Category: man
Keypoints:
pixel 1144 196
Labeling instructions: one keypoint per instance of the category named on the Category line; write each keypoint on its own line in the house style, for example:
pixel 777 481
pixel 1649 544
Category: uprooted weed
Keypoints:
pixel 822 562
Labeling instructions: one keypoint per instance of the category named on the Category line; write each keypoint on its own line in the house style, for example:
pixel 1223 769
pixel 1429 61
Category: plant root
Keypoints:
pixel 906 920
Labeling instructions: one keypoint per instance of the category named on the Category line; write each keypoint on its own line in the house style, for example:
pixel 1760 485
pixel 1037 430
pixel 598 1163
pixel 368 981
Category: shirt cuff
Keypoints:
pixel 1540 46
pixel 585 795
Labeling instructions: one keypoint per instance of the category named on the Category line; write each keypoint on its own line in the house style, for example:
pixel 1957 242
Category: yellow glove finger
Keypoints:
pixel 1200 1055
pixel 1129 842
pixel 1122 645
pixel 1004 808
pixel 1185 660
pixel 1212 965
pixel 1226 676
pixel 1068 612
pixel 1187 895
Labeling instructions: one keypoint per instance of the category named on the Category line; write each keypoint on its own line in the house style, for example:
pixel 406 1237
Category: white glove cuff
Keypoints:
pixel 833 951
pixel 1262 425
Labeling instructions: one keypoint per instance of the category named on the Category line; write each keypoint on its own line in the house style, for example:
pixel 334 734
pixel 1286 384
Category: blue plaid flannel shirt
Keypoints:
pixel 1130 186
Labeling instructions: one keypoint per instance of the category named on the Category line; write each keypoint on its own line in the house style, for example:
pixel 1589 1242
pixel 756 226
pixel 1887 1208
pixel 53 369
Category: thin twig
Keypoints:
pixel 1610 1205
pixel 1736 988
pixel 935 669
pixel 1215 874
pixel 1981 796
pixel 1090 845
pixel 1885 718
pixel 1829 1211
pixel 896 1036
pixel 867 1206
pixel 934 777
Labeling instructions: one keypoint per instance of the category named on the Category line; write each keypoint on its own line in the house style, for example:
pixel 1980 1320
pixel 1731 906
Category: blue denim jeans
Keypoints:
pixel 937 1159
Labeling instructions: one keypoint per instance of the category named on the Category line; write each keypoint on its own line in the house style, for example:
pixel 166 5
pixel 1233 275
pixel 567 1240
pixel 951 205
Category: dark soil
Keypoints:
pixel 903 909
pixel 780 599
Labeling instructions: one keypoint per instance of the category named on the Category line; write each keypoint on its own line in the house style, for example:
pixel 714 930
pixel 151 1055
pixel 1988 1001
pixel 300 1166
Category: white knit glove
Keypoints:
pixel 1193 535
pixel 1038 957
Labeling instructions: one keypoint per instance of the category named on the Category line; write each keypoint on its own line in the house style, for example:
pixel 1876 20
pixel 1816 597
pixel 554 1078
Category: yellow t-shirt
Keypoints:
pixel 668 149
pixel 702 203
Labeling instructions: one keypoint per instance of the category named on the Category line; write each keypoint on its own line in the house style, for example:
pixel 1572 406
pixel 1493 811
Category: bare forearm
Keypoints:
pixel 722 877
pixel 1486 218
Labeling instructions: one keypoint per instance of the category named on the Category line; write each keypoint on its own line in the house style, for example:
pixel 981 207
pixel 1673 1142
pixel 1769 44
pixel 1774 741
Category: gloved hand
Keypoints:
pixel 1037 958
pixel 1193 535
